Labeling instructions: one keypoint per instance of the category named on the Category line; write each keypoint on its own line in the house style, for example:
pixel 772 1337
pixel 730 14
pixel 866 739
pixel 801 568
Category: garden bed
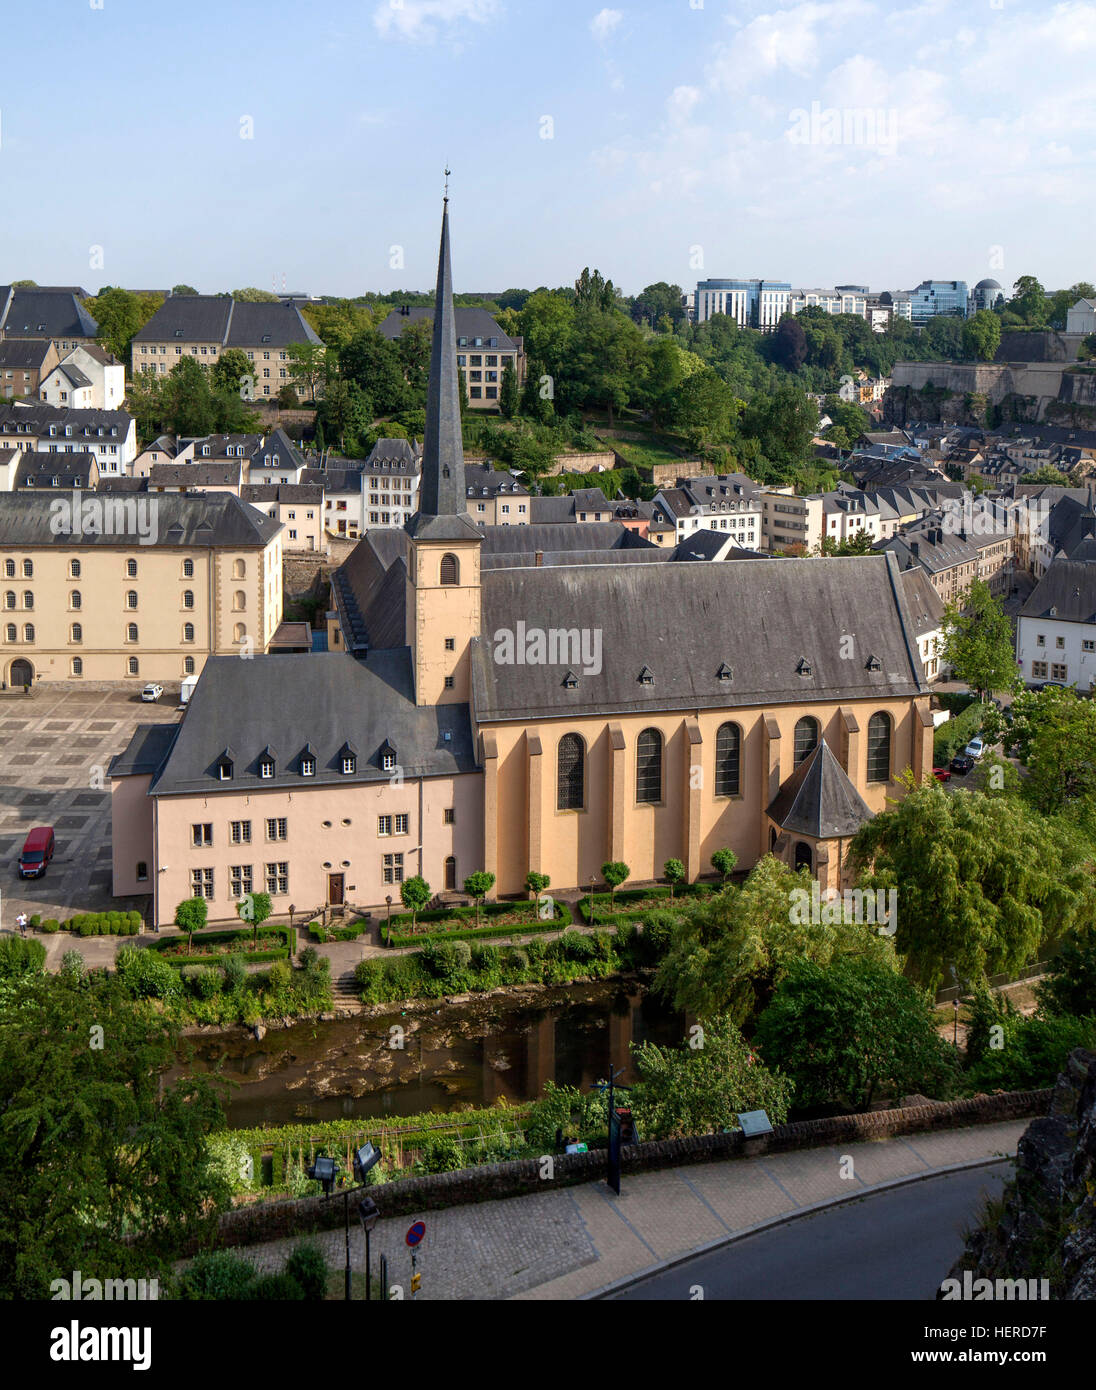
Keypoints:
pixel 632 904
pixel 459 923
pixel 209 948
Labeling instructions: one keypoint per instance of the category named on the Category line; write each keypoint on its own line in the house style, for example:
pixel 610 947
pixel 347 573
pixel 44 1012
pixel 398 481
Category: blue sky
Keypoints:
pixel 949 139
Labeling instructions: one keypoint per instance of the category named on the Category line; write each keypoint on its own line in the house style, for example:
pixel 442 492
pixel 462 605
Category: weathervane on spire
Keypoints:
pixel 448 171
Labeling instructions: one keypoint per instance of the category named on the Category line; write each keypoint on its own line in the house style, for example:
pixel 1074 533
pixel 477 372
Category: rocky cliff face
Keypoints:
pixel 1047 1229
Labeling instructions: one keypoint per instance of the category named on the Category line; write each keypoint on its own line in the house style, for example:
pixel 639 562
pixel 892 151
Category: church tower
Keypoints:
pixel 444 613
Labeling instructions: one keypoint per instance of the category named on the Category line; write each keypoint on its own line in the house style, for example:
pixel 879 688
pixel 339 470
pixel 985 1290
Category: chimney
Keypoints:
pixel 915 548
pixel 540 558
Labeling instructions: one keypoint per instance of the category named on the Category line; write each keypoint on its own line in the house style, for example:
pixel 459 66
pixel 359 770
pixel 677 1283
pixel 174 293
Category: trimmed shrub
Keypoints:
pixel 275 1288
pixel 218 1275
pixel 279 976
pixel 306 1266
pixel 146 974
pixel 51 925
pixel 36 921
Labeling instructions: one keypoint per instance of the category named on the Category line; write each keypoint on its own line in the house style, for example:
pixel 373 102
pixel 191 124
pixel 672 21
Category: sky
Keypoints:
pixel 303 145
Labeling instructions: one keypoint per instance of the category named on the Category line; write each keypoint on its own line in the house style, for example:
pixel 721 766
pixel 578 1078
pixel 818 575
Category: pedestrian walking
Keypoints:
pixel 21 923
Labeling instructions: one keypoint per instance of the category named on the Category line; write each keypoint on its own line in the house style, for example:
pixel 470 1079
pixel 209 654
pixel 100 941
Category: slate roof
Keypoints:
pixel 591 535
pixel 282 492
pixel 819 800
pixel 394 458
pixel 277 442
pixel 37 418
pixel 204 474
pixel 469 323
pixel 28 353
pixel 683 621
pixel 76 469
pixel 481 480
pixel 209 318
pixel 211 518
pixel 75 377
pixel 44 312
pixel 1069 587
pixel 327 699
pixel 372 588
pixel 923 603
pixel 146 751
pixel 443 505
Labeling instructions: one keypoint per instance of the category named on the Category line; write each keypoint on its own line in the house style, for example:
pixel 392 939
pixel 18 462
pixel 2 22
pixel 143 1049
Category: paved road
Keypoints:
pixel 897 1244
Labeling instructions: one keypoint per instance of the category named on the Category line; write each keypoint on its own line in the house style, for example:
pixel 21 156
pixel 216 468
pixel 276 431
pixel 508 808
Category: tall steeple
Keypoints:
pixel 443 501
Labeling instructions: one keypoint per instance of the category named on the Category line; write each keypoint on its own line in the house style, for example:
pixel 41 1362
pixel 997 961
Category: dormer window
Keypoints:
pixel 646 676
pixel 308 767
pixel 570 681
pixel 267 762
pixel 874 664
pixel 724 673
pixel 349 764
pixel 803 668
pixel 224 765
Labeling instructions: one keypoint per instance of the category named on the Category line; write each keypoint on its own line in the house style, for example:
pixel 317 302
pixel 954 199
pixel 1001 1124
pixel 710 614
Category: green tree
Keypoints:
pixel 847 1030
pixel 1052 477
pixel 21 955
pixel 1070 985
pixel 308 366
pixel 700 1090
pixel 120 314
pixel 188 403
pixel 413 348
pixel 104 1163
pixel 658 302
pixel 614 872
pixel 982 880
pixel 1029 301
pixel 704 409
pixel 593 291
pixel 230 369
pixel 1061 756
pixel 547 324
pixel 345 414
pixel 978 641
pixel 607 361
pixel 790 344
pixel 252 907
pixel 728 952
pixel 673 871
pixel 190 916
pixel 372 363
pixel 536 883
pixel 415 893
pixel 251 295
pixel 982 335
pixel 723 862
pixel 183 289
pixel 477 886
pixel 509 395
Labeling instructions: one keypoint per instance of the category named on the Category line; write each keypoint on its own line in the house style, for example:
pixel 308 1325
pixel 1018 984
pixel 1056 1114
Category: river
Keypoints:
pixel 457 1055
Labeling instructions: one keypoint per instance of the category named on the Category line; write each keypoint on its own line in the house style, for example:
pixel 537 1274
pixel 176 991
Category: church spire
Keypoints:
pixel 442 494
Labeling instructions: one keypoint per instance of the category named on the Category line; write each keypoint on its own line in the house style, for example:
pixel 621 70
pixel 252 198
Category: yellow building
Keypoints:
pixel 484 710
pixel 132 588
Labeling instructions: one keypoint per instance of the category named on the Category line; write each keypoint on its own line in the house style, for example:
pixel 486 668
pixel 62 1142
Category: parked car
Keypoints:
pixel 942 774
pixel 37 852
pixel 151 693
pixel 961 764
pixel 975 748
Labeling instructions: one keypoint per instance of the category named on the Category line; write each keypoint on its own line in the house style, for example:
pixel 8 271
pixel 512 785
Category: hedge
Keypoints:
pixel 563 918
pixel 262 956
pixel 318 932
pixel 614 917
pixel 96 924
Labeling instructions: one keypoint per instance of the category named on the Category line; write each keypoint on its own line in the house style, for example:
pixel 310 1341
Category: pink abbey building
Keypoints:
pixel 505 701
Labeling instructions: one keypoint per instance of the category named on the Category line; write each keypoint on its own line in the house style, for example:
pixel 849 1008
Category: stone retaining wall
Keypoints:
pixel 491 1181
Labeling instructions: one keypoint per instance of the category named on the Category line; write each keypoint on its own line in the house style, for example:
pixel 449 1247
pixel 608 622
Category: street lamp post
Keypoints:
pixel 325 1171
pixel 955 1032
pixel 368 1215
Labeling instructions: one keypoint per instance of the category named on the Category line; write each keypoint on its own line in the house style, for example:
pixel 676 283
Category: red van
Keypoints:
pixel 37 852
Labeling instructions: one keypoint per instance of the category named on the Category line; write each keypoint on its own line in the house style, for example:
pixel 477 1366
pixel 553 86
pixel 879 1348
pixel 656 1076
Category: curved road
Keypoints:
pixel 897 1244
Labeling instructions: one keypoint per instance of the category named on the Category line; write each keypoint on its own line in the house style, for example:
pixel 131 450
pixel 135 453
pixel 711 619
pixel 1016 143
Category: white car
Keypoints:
pixel 151 693
pixel 975 748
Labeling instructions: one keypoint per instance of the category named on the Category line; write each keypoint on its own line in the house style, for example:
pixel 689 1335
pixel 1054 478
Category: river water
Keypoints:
pixel 459 1055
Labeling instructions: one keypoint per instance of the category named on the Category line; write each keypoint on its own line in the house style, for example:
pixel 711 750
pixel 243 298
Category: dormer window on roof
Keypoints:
pixel 724 673
pixel 570 681
pixel 646 676
pixel 225 765
pixel 874 664
pixel 178 333
pixel 804 667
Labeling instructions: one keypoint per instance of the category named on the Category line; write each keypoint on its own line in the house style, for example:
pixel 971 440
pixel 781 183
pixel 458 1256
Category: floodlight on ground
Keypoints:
pixel 754 1123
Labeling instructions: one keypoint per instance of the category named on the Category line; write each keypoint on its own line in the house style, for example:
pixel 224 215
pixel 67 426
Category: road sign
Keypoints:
pixel 416 1233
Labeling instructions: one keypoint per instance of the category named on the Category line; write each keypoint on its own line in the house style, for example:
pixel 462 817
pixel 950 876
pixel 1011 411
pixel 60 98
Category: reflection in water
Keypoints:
pixel 462 1055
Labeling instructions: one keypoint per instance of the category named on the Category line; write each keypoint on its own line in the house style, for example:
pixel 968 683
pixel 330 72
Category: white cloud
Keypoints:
pixel 681 102
pixel 419 20
pixel 604 23
pixel 790 39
